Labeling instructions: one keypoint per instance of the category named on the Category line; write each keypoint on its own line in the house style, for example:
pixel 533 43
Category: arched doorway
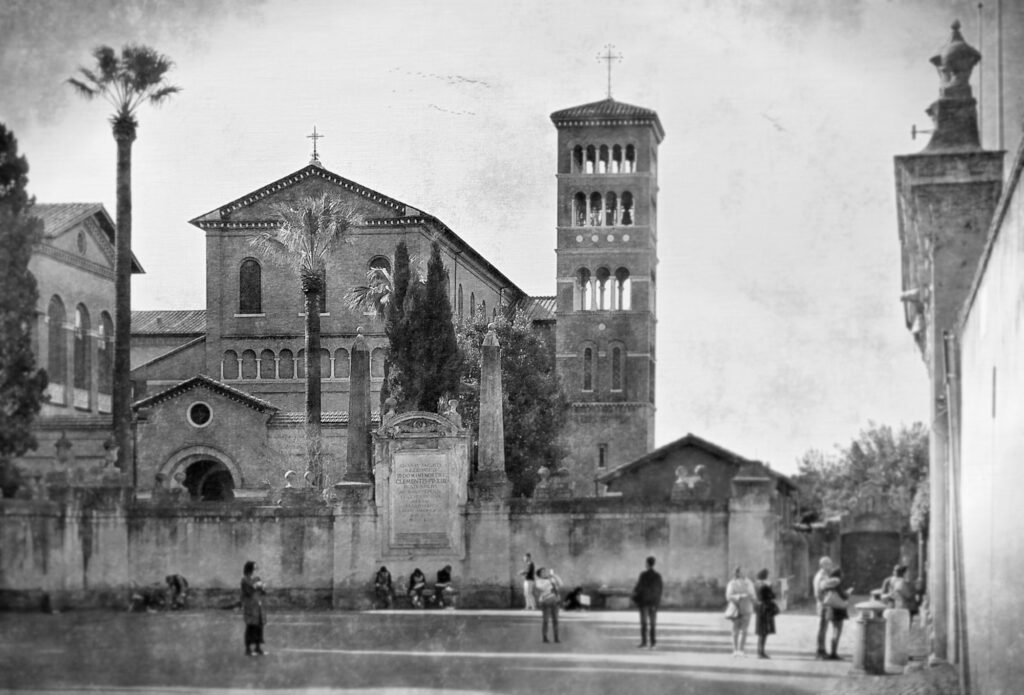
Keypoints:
pixel 209 481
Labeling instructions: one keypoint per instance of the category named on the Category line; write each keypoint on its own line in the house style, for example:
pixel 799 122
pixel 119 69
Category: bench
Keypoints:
pixel 613 598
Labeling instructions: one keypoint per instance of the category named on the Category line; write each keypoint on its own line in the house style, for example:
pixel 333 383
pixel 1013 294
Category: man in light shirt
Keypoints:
pixel 821 584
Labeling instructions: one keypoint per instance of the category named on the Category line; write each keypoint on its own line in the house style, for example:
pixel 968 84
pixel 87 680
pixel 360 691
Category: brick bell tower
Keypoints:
pixel 607 256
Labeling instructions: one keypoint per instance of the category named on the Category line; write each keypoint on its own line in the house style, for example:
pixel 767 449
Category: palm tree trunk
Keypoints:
pixel 121 406
pixel 311 292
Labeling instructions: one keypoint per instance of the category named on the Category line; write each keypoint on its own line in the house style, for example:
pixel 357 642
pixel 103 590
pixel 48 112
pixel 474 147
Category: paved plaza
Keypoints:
pixel 402 652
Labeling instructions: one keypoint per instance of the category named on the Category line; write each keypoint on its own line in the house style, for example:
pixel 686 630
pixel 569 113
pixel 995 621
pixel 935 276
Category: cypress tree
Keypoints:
pixel 436 361
pixel 397 360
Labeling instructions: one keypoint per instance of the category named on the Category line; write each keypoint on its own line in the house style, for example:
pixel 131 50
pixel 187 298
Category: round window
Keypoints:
pixel 199 414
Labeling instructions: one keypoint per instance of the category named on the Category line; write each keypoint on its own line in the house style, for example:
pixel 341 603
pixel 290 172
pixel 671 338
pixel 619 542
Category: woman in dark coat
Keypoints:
pixel 252 610
pixel 766 612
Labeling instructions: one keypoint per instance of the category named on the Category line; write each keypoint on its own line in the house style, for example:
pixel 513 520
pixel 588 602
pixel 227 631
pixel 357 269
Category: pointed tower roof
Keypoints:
pixel 608 112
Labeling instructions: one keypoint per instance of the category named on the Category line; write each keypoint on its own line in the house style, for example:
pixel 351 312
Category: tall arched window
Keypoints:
pixel 249 364
pixel 630 159
pixel 105 356
pixel 342 364
pixel 377 363
pixel 602 288
pixel 617 366
pixel 57 359
pixel 229 366
pixel 588 369
pixel 460 301
pixel 250 287
pixel 577 159
pixel 591 164
pixel 579 210
pixel 286 364
pixel 472 305
pixel 602 162
pixel 617 159
pixel 595 209
pixel 83 361
pixel 621 299
pixel 583 290
pixel 381 262
pixel 268 365
pixel 627 209
pixel 483 308
pixel 611 210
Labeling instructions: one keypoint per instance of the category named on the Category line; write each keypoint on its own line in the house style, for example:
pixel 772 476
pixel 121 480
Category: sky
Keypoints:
pixel 779 323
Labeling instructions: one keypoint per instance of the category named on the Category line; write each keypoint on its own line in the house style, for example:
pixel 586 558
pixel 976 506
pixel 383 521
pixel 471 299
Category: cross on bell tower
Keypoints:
pixel 608 57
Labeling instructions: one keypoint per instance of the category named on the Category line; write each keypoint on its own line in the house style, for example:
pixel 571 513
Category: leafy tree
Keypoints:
pixel 125 81
pixel 427 353
pixel 22 385
pixel 535 408
pixel 305 236
pixel 878 461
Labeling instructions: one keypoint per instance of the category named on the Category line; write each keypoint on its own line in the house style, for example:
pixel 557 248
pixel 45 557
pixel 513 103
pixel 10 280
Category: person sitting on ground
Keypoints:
pixel 383 588
pixel 417 583
pixel 444 594
pixel 574 601
pixel 177 586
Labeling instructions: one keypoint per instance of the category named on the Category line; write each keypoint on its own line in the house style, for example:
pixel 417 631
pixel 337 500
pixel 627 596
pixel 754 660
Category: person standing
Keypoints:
pixel 547 586
pixel 821 584
pixel 529 575
pixel 740 592
pixel 767 609
pixel 252 609
pixel 647 595
pixel 836 602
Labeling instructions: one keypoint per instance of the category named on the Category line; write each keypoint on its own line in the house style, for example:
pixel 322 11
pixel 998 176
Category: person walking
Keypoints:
pixel 529 575
pixel 252 610
pixel 836 610
pixel 740 593
pixel 767 609
pixel 547 586
pixel 647 595
pixel 821 584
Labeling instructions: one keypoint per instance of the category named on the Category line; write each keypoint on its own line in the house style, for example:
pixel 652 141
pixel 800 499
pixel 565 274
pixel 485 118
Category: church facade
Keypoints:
pixel 220 391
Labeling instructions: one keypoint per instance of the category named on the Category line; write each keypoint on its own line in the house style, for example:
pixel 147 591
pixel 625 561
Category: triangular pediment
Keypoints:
pixel 311 181
pixel 205 383
pixel 82 231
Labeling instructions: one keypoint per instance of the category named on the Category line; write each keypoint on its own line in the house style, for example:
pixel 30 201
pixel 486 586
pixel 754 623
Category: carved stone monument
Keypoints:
pixel 421 477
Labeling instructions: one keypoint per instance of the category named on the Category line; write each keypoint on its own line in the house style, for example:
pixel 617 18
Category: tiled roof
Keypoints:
pixel 606 111
pixel 539 308
pixel 330 418
pixel 58 217
pixel 202 380
pixel 169 322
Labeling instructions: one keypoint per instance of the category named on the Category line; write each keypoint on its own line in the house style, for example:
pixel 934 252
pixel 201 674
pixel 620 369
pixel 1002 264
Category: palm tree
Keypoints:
pixel 305 236
pixel 375 296
pixel 125 81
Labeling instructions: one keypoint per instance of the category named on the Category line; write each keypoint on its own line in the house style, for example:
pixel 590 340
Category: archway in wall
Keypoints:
pixel 209 481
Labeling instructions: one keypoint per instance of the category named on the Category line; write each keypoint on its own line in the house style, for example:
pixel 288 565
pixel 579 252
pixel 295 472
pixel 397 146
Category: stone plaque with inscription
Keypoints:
pixel 421 472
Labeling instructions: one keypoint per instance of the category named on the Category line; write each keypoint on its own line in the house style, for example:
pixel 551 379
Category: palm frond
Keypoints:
pixel 161 95
pixel 82 88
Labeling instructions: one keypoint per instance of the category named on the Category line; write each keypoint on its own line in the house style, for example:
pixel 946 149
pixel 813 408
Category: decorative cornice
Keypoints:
pixel 204 381
pixel 302 174
pixel 75 261
pixel 620 405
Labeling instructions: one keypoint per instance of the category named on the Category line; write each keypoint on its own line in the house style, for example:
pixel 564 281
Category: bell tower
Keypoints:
pixel 606 264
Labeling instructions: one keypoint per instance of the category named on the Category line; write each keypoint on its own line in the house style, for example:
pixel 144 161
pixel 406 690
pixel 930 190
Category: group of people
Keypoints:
pixel 170 595
pixel 746 599
pixel 416 589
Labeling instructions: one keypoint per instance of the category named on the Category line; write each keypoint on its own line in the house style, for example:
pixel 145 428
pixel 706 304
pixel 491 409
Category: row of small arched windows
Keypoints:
pixel 604 159
pixel 616 368
pixel 81 366
pixel 285 364
pixel 599 210
pixel 602 291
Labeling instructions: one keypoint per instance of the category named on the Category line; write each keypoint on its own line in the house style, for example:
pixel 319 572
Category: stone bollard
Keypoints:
pixel 897 638
pixel 869 638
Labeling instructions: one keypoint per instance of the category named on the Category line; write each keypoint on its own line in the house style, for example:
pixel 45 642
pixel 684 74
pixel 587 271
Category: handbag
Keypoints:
pixel 732 611
pixel 834 600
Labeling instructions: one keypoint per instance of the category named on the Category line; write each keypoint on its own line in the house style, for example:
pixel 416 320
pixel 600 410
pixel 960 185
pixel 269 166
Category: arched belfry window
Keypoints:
pixel 583 300
pixel 591 165
pixel 621 298
pixel 83 356
pixel 602 288
pixel 616 159
pixel 602 161
pixel 627 209
pixel 588 369
pixel 250 287
pixel 57 359
pixel 577 159
pixel 630 164
pixel 595 209
pixel 579 210
pixel 611 210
